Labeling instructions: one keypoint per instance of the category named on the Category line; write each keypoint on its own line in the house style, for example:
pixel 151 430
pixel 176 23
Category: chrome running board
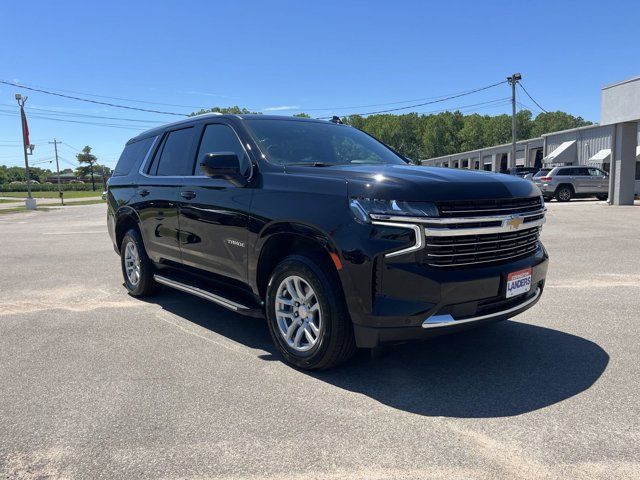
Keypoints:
pixel 199 292
pixel 438 321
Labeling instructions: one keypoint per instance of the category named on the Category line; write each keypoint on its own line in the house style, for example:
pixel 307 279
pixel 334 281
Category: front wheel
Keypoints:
pixel 602 197
pixel 307 316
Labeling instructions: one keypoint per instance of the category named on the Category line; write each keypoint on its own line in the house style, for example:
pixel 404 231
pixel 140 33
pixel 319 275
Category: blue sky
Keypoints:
pixel 290 56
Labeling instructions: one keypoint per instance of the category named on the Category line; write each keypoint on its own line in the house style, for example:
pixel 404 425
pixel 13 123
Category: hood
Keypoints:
pixel 415 183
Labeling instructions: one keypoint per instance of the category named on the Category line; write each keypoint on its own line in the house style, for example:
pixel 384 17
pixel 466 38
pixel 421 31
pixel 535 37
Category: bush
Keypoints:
pixel 43 187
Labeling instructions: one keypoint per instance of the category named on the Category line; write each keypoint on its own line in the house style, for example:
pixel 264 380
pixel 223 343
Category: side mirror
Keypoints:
pixel 225 165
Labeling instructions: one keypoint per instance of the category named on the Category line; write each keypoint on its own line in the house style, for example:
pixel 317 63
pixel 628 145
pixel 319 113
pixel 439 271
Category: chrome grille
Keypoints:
pixel 477 249
pixel 473 232
pixel 483 231
pixel 482 208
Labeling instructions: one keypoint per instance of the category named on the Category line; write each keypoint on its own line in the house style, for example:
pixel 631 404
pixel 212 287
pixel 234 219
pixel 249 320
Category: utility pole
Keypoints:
pixel 513 81
pixel 30 203
pixel 93 181
pixel 55 147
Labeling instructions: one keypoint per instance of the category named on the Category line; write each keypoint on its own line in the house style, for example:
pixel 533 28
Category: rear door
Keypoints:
pixel 158 193
pixel 214 213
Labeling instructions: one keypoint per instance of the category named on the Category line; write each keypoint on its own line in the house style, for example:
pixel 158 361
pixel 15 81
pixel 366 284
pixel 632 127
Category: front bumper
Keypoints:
pixel 415 302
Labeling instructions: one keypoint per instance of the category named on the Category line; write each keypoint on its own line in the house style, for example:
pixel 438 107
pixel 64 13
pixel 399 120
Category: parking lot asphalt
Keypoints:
pixel 97 384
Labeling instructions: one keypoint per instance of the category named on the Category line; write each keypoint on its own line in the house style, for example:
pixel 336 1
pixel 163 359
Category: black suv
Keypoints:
pixel 323 230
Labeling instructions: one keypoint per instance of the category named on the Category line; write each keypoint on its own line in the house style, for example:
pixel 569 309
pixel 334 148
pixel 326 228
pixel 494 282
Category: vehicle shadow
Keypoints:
pixel 503 369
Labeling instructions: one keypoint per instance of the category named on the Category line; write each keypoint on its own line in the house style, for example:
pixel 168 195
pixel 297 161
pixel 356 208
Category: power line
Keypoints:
pixel 72 147
pixel 489 103
pixel 86 115
pixel 17 85
pixel 388 103
pixel 532 99
pixel 528 107
pixel 451 97
pixel 113 98
pixel 110 125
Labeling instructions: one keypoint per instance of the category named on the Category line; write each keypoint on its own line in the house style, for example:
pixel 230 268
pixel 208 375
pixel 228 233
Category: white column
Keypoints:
pixel 495 167
pixel 623 161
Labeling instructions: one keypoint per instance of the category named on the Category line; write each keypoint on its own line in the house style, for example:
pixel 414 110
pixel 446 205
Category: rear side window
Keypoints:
pixel 132 154
pixel 564 172
pixel 173 158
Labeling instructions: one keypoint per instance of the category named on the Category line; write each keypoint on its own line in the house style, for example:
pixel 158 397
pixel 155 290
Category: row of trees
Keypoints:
pixel 420 136
pixel 88 168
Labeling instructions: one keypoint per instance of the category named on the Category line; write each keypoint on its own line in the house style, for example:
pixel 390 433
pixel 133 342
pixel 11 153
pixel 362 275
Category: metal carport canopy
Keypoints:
pixel 565 153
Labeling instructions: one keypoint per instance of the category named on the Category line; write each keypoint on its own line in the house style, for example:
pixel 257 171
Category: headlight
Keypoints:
pixel 364 208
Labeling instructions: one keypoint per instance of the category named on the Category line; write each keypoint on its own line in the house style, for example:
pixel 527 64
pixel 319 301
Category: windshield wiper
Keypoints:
pixel 315 164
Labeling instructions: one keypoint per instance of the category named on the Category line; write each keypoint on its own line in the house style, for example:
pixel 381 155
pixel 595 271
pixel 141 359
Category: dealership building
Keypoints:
pixel 613 145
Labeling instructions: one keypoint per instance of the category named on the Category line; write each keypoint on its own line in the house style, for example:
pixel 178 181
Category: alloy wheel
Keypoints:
pixel 564 194
pixel 298 313
pixel 132 263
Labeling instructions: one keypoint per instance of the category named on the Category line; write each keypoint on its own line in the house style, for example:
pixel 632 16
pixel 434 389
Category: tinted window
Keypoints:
pixel 289 142
pixel 132 154
pixel 594 172
pixel 542 172
pixel 581 171
pixel 173 159
pixel 564 172
pixel 218 138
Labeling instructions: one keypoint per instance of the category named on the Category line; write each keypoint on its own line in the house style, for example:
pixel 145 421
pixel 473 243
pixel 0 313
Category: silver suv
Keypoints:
pixel 565 183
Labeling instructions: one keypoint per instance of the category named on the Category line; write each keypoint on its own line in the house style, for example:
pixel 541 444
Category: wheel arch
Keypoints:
pixel 568 185
pixel 288 238
pixel 125 219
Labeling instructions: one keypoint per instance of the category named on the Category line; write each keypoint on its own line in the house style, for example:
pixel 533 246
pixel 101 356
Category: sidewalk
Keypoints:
pixel 19 202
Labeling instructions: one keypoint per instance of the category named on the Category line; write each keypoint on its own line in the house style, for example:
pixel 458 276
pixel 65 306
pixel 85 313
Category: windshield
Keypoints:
pixel 293 142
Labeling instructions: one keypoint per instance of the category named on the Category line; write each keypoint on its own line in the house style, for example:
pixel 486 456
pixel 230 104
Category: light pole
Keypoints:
pixel 55 147
pixel 30 202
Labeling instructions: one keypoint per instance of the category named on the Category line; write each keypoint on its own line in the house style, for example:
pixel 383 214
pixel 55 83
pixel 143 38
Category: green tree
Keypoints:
pixel 419 136
pixel 87 161
pixel 441 134
pixel 524 125
pixel 235 110
pixel 302 115
pixel 556 121
pixel 472 132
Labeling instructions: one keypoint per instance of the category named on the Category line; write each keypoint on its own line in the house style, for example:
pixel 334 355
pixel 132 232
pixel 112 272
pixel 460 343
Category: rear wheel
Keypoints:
pixel 602 197
pixel 307 315
pixel 137 269
pixel 564 194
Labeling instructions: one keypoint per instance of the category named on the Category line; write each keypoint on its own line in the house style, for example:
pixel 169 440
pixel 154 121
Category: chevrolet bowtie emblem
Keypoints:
pixel 514 222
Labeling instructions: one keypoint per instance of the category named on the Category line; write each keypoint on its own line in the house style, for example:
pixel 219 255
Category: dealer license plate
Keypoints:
pixel 518 282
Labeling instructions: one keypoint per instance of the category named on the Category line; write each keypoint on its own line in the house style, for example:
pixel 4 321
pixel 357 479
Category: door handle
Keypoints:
pixel 188 194
pixel 143 192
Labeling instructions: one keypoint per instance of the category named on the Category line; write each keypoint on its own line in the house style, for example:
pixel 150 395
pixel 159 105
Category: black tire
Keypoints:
pixel 564 193
pixel 335 342
pixel 602 197
pixel 547 199
pixel 145 285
